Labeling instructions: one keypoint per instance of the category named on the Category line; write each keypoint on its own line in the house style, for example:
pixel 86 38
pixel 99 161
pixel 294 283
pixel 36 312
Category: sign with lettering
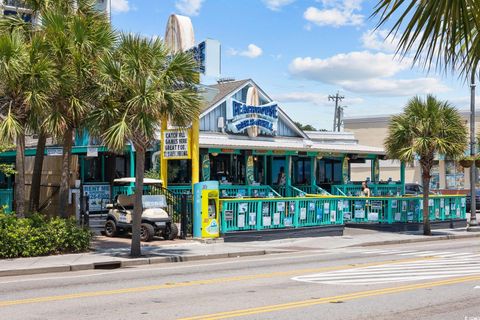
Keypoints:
pixel 176 144
pixel 98 196
pixel 241 116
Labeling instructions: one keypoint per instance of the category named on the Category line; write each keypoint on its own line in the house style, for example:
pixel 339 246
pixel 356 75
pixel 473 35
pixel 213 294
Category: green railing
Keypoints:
pixel 262 191
pixel 6 199
pixel 262 214
pixel 310 189
pixel 376 189
pixel 179 190
pixel 402 209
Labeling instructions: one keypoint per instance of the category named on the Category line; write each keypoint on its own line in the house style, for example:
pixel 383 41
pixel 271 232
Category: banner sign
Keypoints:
pixel 176 144
pixel 56 152
pixel 241 116
pixel 250 169
pixel 98 196
pixel 206 167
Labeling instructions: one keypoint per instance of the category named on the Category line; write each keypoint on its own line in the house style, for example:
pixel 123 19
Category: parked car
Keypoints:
pixel 469 201
pixel 415 189
pixel 155 218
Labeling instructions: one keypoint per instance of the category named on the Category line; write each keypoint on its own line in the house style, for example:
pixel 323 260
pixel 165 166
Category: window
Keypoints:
pixel 454 175
pixel 329 171
pixel 302 171
pixel 435 177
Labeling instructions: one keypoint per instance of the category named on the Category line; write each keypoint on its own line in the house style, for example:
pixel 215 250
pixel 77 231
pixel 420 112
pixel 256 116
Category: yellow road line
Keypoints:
pixel 90 294
pixel 345 297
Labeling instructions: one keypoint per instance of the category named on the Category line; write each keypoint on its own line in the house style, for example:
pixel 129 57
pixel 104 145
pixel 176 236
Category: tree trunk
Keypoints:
pixel 426 193
pixel 20 177
pixel 65 178
pixel 37 173
pixel 136 250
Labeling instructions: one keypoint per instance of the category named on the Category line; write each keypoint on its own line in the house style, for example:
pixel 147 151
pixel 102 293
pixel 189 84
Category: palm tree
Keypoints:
pixel 77 36
pixel 143 83
pixel 441 32
pixel 26 80
pixel 425 128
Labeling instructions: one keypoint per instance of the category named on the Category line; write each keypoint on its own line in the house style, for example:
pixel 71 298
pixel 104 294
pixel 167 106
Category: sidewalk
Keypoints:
pixel 113 253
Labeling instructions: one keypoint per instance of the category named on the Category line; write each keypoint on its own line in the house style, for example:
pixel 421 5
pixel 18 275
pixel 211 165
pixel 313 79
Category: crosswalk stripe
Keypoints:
pixel 442 264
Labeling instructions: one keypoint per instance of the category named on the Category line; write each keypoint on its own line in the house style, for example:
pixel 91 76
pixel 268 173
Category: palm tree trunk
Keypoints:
pixel 136 250
pixel 20 177
pixel 65 178
pixel 426 190
pixel 37 172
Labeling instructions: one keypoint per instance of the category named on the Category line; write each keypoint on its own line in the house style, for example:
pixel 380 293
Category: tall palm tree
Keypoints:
pixel 425 128
pixel 26 81
pixel 443 33
pixel 77 36
pixel 143 83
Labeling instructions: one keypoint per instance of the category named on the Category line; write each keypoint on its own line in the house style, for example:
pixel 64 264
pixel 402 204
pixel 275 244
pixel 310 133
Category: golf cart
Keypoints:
pixel 155 218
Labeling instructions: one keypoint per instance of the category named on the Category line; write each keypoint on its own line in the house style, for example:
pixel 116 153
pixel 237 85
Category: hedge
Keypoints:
pixel 40 236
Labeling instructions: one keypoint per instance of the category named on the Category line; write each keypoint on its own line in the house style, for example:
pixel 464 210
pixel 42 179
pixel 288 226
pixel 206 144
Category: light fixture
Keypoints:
pixel 214 154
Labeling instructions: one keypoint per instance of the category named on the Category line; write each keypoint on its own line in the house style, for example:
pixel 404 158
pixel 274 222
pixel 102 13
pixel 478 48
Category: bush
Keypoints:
pixel 39 236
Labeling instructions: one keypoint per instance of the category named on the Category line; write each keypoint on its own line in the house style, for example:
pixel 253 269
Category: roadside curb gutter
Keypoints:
pixel 432 238
pixel 116 263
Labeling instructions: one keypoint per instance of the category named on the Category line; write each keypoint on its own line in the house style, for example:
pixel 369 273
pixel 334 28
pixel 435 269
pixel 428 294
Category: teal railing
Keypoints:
pixel 311 189
pixel 295 212
pixel 262 214
pixel 262 191
pixel 403 209
pixel 6 200
pixel 376 189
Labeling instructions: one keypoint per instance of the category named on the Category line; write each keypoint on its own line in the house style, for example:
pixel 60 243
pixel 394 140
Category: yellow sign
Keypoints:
pixel 210 214
pixel 176 144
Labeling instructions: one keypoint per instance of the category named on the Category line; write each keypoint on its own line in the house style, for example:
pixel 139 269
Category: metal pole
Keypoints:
pixel 473 171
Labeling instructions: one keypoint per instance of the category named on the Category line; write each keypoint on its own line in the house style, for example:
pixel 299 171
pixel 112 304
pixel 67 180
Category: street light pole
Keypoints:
pixel 473 224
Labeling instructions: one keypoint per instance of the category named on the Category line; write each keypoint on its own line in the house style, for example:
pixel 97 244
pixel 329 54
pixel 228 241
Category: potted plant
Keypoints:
pixel 466 162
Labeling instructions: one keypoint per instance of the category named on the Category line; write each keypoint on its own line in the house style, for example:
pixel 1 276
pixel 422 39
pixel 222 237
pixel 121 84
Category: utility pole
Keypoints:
pixel 336 118
pixel 340 115
pixel 473 224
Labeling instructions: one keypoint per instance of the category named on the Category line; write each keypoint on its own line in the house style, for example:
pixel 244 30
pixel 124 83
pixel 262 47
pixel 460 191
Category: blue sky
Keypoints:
pixel 301 51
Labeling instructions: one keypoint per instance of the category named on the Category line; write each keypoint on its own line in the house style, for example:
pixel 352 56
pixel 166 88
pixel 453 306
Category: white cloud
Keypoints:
pixel 119 6
pixel 379 40
pixel 315 98
pixel 396 87
pixel 336 13
pixel 276 5
pixel 253 51
pixel 350 66
pixel 365 72
pixel 189 7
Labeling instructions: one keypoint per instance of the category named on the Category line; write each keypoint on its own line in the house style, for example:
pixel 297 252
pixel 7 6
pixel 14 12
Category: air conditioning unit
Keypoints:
pixel 221 123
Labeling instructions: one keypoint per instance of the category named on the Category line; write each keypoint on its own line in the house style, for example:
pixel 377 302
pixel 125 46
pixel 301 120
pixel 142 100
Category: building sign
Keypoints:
pixel 241 116
pixel 92 152
pixel 176 144
pixel 98 196
pixel 56 152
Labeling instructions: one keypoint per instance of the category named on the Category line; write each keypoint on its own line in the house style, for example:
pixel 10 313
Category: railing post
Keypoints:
pixel 183 209
pixel 296 215
pixel 259 215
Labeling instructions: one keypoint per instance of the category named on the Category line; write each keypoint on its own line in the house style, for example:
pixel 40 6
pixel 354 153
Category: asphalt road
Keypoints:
pixel 433 280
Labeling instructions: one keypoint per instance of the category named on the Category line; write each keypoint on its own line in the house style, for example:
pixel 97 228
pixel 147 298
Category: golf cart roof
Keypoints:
pixel 146 181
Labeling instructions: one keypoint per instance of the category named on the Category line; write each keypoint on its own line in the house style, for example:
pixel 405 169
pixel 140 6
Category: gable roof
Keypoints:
pixel 224 89
pixel 228 89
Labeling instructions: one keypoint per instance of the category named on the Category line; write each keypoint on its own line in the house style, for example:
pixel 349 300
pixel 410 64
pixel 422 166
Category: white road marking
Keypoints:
pixel 435 268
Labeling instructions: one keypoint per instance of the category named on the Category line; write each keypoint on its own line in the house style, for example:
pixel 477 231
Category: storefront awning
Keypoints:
pixel 220 140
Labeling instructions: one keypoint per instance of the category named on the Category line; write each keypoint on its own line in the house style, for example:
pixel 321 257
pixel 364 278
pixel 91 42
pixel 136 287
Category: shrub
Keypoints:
pixel 39 236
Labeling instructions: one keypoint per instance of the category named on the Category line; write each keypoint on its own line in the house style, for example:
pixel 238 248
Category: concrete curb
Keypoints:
pixel 433 238
pixel 115 264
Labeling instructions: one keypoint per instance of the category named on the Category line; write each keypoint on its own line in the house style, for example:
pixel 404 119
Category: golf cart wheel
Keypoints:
pixel 146 232
pixel 171 231
pixel 110 228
